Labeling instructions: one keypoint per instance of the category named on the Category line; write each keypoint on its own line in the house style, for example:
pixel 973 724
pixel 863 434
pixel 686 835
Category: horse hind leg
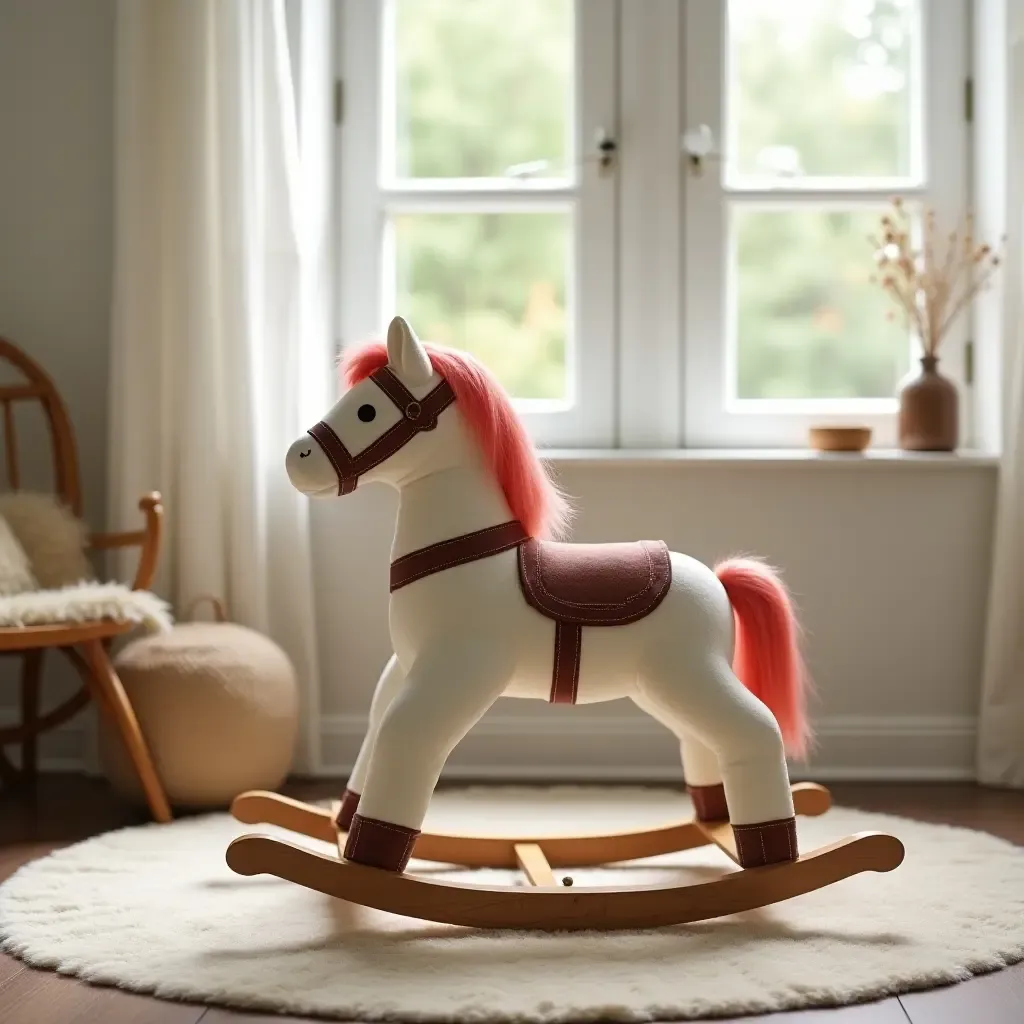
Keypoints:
pixel 701 770
pixel 703 775
pixel 743 734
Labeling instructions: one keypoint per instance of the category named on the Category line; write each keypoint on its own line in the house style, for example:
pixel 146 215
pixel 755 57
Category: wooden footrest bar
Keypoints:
pixel 534 864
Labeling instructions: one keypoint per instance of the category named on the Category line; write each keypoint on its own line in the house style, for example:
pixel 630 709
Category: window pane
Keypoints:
pixel 824 88
pixel 493 284
pixel 809 324
pixel 482 86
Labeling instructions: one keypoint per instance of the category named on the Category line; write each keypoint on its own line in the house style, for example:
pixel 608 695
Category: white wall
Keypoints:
pixel 56 186
pixel 889 562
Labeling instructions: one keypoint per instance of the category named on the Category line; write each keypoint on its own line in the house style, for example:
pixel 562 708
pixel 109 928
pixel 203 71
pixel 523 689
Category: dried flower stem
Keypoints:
pixel 933 283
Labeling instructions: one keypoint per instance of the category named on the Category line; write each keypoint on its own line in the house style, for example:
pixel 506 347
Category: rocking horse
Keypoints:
pixel 484 604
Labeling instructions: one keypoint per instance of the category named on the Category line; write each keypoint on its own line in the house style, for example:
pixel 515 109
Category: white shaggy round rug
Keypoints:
pixel 155 909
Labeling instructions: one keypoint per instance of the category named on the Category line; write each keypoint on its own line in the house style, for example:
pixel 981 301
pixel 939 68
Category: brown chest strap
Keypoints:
pixel 457 551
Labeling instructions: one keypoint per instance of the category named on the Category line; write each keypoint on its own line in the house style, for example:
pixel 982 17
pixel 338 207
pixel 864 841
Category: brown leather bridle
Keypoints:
pixel 417 416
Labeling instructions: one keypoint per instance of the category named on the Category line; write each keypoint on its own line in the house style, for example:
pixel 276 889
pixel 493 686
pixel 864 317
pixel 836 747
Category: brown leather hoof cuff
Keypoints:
pixel 349 803
pixel 379 844
pixel 766 842
pixel 709 802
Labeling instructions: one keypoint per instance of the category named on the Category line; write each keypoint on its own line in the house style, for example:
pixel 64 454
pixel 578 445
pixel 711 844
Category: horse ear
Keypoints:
pixel 406 355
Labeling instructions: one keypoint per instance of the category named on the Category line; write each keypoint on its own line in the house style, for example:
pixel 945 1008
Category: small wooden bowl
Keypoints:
pixel 840 439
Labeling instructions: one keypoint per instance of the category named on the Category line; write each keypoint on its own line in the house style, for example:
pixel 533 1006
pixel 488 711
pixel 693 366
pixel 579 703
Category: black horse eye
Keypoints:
pixel 366 413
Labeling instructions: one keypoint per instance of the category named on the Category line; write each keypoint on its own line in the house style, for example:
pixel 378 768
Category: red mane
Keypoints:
pixel 532 496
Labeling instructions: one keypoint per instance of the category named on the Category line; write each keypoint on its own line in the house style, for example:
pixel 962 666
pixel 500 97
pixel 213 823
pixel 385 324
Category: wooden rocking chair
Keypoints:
pixel 85 644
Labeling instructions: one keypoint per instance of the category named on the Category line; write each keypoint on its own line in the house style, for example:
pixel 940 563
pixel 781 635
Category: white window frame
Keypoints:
pixel 367 194
pixel 709 419
pixel 648 299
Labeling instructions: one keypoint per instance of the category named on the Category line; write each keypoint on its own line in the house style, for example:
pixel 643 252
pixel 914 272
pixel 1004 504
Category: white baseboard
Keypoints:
pixel 631 748
pixel 623 748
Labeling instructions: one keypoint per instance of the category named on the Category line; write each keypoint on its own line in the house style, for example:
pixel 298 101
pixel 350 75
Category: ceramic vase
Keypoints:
pixel 929 410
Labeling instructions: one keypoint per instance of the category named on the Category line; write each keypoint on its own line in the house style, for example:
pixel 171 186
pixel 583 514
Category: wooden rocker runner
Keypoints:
pixel 546 904
pixel 484 604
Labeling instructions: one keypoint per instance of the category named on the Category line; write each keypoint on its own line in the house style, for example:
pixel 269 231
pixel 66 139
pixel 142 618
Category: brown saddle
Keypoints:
pixel 590 585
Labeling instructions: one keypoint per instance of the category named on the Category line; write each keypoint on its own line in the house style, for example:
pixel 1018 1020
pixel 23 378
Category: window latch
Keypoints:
pixel 699 146
pixel 604 144
pixel 606 148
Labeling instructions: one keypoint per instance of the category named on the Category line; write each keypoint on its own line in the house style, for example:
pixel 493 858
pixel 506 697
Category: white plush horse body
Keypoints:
pixel 464 634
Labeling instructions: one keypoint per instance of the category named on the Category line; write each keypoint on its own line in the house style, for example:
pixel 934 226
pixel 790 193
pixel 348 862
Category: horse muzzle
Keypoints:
pixel 309 469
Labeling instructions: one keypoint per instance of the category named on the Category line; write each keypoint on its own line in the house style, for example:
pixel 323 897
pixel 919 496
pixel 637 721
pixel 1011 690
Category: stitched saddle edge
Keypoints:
pixel 558 615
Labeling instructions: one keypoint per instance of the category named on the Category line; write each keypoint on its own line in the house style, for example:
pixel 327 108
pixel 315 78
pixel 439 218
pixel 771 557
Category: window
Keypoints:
pixel 474 200
pixel 826 110
pixel 705 283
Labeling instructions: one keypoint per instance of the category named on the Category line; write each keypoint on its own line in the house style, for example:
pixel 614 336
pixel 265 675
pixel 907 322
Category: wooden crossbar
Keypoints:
pixel 534 864
pixel 17 392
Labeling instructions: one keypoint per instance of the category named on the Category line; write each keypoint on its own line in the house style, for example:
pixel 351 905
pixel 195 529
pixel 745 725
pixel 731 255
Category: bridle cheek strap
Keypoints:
pixel 417 416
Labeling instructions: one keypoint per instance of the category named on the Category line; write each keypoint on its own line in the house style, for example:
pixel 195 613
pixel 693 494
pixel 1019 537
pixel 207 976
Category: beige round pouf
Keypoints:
pixel 218 705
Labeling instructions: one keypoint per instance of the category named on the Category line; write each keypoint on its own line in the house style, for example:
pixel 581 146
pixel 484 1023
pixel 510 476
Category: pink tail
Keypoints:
pixel 768 660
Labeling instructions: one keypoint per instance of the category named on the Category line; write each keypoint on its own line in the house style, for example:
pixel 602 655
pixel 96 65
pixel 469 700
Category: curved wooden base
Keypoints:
pixel 551 908
pixel 544 905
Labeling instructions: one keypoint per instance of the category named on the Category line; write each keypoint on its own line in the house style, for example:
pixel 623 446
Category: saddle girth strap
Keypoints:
pixel 565 673
pixel 470 547
pixel 445 554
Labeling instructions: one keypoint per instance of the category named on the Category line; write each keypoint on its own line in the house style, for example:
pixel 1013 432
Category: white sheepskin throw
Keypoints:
pixel 86 602
pixel 46 576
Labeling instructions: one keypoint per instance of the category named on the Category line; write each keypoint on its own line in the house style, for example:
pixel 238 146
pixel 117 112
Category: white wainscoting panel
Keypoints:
pixel 630 748
pixel 623 748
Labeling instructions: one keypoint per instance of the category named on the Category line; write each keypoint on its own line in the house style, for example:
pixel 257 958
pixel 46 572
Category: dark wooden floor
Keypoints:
pixel 67 809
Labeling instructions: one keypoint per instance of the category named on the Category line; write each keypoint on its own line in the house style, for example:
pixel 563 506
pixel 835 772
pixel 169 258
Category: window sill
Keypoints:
pixel 873 457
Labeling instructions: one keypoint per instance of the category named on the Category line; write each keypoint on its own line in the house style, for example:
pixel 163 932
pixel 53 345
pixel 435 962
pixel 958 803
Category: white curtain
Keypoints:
pixel 1001 720
pixel 221 348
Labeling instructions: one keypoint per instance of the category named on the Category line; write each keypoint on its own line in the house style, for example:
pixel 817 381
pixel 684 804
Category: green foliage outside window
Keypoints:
pixel 822 90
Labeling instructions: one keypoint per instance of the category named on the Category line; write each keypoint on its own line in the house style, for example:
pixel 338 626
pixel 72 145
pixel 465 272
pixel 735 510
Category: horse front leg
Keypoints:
pixel 446 692
pixel 387 686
